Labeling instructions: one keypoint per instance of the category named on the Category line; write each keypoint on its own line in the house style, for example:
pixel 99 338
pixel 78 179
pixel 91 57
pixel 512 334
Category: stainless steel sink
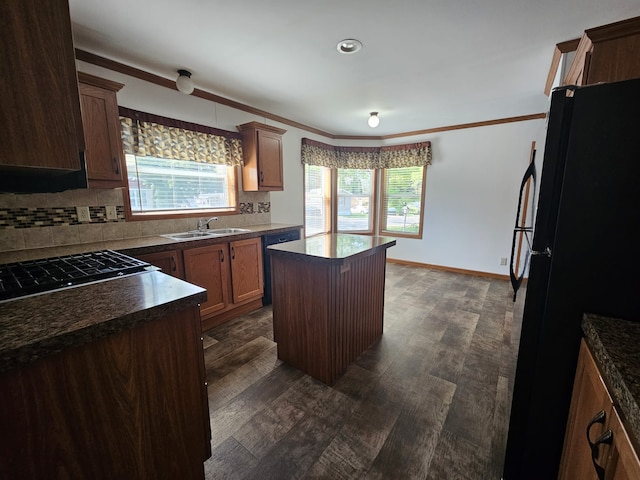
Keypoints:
pixel 195 234
pixel 190 235
pixel 227 231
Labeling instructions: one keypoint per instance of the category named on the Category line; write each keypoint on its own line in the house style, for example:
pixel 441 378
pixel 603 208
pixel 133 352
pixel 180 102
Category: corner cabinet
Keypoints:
pixel 169 262
pixel 231 273
pixel 609 53
pixel 104 152
pixel 40 108
pixel 596 444
pixel 262 153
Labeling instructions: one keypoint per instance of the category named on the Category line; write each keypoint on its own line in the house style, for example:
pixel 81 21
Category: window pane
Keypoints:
pixel 317 213
pixel 355 200
pixel 402 200
pixel 158 184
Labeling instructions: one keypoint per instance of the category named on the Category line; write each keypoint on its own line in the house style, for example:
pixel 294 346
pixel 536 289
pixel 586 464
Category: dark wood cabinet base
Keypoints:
pixel 130 405
pixel 325 314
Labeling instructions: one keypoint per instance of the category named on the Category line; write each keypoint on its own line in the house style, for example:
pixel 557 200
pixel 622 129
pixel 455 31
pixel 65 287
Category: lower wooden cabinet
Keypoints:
pixel 231 273
pixel 129 405
pixel 170 262
pixel 623 463
pixel 246 269
pixel 208 267
pixel 596 444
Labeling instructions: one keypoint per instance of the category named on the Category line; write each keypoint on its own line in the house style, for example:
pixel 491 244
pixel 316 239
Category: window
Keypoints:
pixel 176 168
pixel 355 200
pixel 161 185
pixel 402 202
pixel 373 189
pixel 317 200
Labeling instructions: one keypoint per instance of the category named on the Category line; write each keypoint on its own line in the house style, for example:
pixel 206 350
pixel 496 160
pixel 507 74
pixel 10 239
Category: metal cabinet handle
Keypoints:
pixel 607 439
pixel 233 253
pixel 116 165
pixel 173 264
pixel 221 256
pixel 599 417
pixel 261 176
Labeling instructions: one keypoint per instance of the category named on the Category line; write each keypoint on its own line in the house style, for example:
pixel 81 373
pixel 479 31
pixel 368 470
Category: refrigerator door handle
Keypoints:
pixel 546 252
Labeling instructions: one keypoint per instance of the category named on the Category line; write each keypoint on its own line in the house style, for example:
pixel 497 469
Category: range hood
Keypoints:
pixel 40 180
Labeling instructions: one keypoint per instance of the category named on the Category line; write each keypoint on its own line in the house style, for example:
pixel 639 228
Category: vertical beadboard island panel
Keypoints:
pixel 328 300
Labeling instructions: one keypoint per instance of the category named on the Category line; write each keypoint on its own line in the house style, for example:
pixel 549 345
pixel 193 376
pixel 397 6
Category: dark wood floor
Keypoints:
pixel 429 400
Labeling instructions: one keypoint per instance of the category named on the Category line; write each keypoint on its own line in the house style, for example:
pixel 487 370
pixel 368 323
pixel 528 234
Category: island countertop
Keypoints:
pixel 333 248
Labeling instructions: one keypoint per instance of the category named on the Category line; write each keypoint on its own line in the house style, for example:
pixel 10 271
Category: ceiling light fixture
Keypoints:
pixel 374 120
pixel 349 46
pixel 184 82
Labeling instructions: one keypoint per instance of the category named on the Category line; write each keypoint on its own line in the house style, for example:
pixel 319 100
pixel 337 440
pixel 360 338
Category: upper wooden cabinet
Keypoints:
pixel 40 108
pixel 609 53
pixel 104 153
pixel 262 150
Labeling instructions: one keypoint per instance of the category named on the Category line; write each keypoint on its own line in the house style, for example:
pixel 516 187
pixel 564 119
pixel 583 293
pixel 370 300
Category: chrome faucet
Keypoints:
pixel 202 223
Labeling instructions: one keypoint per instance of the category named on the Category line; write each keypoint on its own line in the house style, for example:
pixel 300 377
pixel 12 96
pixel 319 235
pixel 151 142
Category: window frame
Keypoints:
pixel 326 199
pixel 383 211
pixel 372 206
pixel 380 214
pixel 232 181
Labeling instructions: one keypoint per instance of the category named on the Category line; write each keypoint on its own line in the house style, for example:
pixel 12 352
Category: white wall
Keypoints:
pixel 471 192
pixel 471 196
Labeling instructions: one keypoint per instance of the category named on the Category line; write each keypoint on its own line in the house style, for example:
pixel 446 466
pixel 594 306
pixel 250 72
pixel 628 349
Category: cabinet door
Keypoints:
pixel 270 160
pixel 590 398
pixel 623 463
pixel 104 154
pixel 262 153
pixel 169 262
pixel 246 269
pixel 208 267
pixel 40 107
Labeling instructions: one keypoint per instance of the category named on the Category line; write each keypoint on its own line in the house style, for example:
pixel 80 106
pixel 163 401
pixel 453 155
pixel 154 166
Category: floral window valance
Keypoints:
pixel 392 156
pixel 145 134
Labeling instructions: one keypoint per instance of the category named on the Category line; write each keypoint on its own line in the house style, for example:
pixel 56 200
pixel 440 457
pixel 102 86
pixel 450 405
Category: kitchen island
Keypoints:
pixel 328 300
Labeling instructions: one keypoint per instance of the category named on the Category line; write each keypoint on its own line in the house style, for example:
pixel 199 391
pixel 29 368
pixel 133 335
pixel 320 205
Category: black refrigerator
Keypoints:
pixel 585 258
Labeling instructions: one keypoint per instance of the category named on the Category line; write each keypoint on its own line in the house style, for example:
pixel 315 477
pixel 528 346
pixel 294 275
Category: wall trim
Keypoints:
pixel 475 273
pixel 115 66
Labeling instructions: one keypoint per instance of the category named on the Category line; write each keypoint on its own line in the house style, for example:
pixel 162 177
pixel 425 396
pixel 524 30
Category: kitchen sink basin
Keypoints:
pixel 195 234
pixel 226 231
pixel 190 235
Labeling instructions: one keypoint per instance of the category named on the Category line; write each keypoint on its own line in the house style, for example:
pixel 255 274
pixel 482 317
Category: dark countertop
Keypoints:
pixel 615 345
pixel 141 245
pixel 336 248
pixel 41 325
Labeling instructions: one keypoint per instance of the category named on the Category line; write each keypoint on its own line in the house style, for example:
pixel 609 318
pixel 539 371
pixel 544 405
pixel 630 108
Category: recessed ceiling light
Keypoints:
pixel 349 46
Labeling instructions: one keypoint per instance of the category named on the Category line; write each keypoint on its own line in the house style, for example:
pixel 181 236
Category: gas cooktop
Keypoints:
pixel 36 276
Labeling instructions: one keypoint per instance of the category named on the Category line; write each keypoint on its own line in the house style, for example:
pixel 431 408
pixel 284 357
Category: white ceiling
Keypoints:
pixel 424 63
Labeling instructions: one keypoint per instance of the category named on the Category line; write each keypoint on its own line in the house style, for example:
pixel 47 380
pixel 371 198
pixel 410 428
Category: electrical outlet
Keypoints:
pixel 112 214
pixel 503 260
pixel 83 214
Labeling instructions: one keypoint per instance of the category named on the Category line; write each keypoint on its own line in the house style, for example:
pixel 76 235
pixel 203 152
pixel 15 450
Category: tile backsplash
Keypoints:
pixel 50 219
